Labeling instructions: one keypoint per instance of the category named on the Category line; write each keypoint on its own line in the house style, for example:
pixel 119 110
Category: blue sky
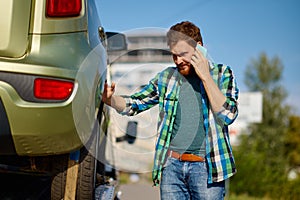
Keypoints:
pixel 234 31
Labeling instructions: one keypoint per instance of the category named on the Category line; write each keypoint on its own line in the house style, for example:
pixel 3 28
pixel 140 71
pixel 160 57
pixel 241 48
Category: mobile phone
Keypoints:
pixel 202 49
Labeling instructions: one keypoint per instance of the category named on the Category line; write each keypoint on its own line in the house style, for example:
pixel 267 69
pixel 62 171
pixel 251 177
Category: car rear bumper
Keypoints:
pixel 35 128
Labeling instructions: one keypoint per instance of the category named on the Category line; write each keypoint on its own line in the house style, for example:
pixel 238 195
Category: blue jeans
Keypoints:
pixel 188 180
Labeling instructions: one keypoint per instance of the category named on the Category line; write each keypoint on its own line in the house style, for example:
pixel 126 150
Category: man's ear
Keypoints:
pixel 200 43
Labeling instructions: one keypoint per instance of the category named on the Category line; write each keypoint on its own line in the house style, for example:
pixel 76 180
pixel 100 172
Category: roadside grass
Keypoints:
pixel 232 196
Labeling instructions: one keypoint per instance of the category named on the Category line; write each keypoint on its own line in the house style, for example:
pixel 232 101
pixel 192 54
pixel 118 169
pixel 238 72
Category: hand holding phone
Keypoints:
pixel 200 62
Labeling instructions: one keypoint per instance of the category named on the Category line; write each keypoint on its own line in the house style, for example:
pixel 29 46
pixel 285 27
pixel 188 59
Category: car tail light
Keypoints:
pixel 50 89
pixel 63 8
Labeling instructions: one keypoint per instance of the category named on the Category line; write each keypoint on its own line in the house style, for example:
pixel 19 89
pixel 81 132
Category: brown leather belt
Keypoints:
pixel 186 156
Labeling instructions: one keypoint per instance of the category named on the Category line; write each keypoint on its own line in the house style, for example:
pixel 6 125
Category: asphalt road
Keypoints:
pixel 138 191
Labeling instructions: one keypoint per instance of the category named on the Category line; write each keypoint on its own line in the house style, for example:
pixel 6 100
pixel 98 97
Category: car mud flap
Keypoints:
pixel 6 141
pixel 104 192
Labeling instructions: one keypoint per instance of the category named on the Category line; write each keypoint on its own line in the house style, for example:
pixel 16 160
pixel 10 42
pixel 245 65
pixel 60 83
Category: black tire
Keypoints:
pixel 60 165
pixel 86 181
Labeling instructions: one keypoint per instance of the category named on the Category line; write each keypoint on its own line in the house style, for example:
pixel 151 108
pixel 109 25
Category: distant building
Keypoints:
pixel 144 45
pixel 147 54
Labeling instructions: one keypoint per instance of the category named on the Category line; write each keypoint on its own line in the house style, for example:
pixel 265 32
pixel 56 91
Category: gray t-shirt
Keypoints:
pixel 188 135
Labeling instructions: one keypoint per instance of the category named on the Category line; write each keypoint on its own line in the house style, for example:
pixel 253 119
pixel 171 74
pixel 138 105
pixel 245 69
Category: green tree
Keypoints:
pixel 292 145
pixel 260 157
pixel 292 152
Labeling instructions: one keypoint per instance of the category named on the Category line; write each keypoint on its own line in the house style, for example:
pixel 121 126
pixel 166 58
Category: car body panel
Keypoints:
pixel 14 27
pixel 36 128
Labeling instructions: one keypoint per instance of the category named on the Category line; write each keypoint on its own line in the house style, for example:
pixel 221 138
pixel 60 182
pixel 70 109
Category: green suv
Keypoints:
pixel 52 69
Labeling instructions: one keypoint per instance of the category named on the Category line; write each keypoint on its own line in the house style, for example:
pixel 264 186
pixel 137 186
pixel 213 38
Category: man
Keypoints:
pixel 197 101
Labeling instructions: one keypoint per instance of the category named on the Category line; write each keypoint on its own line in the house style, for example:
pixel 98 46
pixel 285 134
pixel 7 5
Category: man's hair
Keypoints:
pixel 186 31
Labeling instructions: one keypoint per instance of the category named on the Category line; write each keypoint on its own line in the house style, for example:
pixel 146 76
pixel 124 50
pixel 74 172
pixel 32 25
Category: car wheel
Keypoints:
pixel 86 181
pixel 87 172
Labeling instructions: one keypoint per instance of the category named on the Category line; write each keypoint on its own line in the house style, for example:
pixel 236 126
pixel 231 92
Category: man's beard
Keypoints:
pixel 185 69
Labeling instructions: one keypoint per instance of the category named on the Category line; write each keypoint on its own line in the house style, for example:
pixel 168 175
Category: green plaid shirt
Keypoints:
pixel 163 89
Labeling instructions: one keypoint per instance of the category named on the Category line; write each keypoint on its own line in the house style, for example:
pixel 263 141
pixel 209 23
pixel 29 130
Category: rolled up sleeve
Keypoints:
pixel 229 112
pixel 228 86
